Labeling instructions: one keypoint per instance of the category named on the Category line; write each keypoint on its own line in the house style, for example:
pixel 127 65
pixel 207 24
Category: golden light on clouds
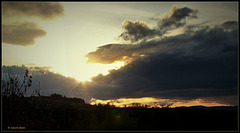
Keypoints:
pixel 198 102
pixel 156 102
pixel 87 70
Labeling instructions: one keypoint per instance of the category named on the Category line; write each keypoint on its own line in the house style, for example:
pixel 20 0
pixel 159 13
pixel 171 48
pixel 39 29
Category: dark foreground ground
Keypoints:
pixel 72 114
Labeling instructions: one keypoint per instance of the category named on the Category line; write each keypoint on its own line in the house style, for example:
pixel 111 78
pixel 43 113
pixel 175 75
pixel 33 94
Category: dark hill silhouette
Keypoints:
pixel 56 112
pixel 227 108
pixel 58 100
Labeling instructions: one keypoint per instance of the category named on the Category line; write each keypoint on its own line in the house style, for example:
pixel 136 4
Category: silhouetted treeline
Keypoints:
pixel 61 113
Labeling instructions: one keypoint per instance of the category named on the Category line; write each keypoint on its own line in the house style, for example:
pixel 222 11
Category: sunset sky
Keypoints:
pixel 156 53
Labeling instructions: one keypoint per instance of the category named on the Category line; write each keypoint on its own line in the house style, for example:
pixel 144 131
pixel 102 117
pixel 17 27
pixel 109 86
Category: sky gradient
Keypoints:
pixel 171 53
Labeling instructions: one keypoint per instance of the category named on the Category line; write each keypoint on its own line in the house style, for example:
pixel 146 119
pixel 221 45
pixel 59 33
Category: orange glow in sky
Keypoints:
pixel 155 102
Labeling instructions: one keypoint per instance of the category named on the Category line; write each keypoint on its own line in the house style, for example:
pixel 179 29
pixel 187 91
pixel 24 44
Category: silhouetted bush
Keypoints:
pixel 17 110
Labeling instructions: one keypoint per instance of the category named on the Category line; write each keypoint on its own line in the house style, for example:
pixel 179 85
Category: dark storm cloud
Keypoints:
pixel 232 100
pixel 139 31
pixel 166 24
pixel 176 18
pixel 134 32
pixel 181 13
pixel 187 66
pixel 196 27
pixel 198 43
pixel 45 10
pixel 229 25
pixel 23 34
pixel 199 63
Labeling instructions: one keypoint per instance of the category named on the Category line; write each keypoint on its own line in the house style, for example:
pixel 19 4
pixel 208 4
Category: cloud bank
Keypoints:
pixel 139 31
pixel 44 10
pixel 51 82
pixel 135 31
pixel 23 34
pixel 201 62
pixel 176 18
pixel 229 25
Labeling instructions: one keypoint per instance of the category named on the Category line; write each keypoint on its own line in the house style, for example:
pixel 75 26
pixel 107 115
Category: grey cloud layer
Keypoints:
pixel 45 10
pixel 197 43
pixel 229 25
pixel 23 34
pixel 176 18
pixel 134 32
pixel 199 63
pixel 179 14
pixel 202 64
pixel 139 31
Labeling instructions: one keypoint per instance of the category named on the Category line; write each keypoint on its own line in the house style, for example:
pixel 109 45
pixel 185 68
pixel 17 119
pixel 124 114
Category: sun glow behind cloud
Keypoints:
pixel 86 71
